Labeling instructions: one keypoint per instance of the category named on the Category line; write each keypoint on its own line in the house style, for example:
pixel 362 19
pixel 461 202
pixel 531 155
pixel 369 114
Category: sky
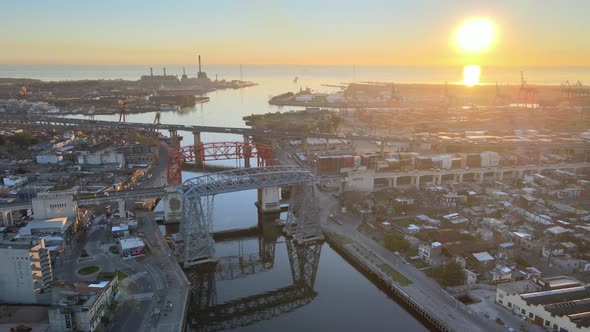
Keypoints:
pixel 303 32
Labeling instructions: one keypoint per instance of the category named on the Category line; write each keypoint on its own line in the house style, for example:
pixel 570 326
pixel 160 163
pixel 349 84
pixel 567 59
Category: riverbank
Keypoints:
pixel 379 272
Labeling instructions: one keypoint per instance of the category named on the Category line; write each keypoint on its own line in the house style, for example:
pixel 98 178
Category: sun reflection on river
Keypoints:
pixel 471 75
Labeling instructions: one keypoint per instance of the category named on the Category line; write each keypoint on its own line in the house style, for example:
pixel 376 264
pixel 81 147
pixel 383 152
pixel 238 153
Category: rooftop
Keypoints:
pixel 573 302
pixel 483 256
pixel 61 223
pixel 131 242
pixel 557 230
pixel 519 287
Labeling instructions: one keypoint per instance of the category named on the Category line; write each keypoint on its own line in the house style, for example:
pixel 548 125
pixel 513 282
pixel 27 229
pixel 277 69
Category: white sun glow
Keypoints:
pixel 475 35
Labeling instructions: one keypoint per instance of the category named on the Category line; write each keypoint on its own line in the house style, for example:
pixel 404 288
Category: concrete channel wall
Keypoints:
pixel 388 283
pixel 184 317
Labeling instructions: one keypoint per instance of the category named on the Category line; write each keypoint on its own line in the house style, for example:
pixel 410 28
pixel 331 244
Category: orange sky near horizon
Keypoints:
pixel 381 33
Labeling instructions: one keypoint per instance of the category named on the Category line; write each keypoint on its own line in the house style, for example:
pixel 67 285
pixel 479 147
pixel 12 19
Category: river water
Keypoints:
pixel 346 300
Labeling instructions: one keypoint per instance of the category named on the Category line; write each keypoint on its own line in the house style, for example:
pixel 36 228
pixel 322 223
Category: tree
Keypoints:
pixel 450 274
pixel 396 242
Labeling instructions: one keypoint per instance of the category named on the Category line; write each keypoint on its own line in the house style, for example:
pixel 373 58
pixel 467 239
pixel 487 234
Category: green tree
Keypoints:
pixel 396 242
pixel 450 274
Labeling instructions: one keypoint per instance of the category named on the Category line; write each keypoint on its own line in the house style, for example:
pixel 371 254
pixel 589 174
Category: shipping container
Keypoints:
pixel 423 163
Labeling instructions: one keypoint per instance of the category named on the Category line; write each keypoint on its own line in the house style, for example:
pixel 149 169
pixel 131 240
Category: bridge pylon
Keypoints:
pixel 304 259
pixel 197 229
pixel 203 291
pixel 302 222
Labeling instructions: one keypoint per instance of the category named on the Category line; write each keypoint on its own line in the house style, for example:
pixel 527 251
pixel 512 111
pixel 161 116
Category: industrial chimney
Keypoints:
pixel 164 71
pixel 199 63
pixel 151 72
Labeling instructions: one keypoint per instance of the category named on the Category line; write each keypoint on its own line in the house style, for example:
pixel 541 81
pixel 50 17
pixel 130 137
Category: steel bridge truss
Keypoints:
pixel 198 193
pixel 196 228
pixel 210 316
pixel 200 153
pixel 302 224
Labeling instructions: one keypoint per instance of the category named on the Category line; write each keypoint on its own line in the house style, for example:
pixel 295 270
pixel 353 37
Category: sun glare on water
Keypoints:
pixel 475 35
pixel 471 75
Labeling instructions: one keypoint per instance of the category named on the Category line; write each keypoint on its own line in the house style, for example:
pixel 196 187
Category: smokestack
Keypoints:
pixel 199 63
pixel 151 72
pixel 183 72
pixel 164 71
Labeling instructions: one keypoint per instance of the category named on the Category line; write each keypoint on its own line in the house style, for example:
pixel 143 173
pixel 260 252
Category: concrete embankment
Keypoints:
pixel 385 282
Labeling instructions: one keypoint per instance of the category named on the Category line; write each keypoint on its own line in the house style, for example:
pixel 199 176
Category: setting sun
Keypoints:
pixel 475 35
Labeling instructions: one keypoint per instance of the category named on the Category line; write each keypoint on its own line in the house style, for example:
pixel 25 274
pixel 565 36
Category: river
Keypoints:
pixel 346 300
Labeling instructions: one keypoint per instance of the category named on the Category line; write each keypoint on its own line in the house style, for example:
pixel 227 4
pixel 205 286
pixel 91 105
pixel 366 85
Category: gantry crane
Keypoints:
pixel 526 94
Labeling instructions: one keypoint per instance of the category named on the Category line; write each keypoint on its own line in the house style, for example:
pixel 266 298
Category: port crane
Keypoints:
pixel 157 117
pixel 566 89
pixel 575 90
pixel 580 90
pixel 526 94
pixel 122 110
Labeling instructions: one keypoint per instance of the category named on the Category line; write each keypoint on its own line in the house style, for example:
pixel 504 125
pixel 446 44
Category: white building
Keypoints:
pixel 80 306
pixel 563 308
pixel 14 181
pixel 54 204
pixel 100 158
pixel 55 226
pixel 430 252
pixel 470 277
pixel 131 247
pixel 49 159
pixel 26 273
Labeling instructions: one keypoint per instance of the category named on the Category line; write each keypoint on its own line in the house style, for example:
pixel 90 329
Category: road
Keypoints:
pixel 173 290
pixel 423 289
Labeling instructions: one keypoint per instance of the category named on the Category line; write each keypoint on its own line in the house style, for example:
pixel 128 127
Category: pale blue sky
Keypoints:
pixel 370 32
